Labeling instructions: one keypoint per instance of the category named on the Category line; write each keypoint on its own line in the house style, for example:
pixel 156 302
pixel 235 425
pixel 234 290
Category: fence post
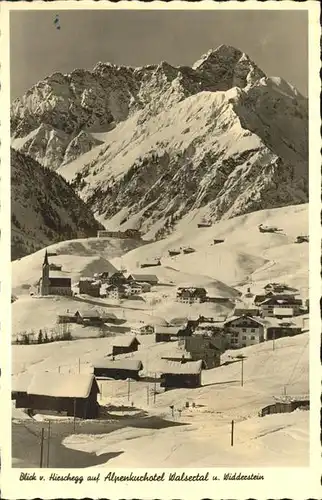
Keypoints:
pixel 41 447
pixel 232 434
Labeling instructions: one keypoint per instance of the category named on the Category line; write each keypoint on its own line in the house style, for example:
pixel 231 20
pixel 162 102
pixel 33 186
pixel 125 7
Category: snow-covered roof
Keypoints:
pixel 169 330
pixel 21 382
pixel 56 384
pixel 174 367
pixel 144 277
pixel 121 364
pixel 124 340
pixel 285 311
pixel 89 314
pixel 252 318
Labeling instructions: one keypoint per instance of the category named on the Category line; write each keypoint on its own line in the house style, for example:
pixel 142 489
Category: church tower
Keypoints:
pixel 45 282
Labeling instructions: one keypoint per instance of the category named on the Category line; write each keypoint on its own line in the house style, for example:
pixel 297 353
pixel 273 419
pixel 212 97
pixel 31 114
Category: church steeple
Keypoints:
pixel 46 263
pixel 45 281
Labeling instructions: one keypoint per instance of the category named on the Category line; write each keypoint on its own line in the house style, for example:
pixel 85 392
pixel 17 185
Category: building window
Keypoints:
pixel 252 337
pixel 244 337
pixel 253 330
pixel 244 329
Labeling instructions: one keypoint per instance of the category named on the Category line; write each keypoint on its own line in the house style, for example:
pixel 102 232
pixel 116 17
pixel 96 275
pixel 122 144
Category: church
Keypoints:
pixel 53 285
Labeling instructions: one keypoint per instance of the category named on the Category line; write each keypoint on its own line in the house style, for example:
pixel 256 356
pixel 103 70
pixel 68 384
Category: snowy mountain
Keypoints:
pixel 145 146
pixel 44 208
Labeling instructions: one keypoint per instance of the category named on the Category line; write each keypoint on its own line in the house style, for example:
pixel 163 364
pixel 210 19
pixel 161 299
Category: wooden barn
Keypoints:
pixel 120 369
pixel 125 344
pixel 181 374
pixel 70 394
pixel 165 333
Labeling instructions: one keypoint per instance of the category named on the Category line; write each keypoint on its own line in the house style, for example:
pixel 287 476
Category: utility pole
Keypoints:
pixel 74 414
pixel 242 371
pixel 128 389
pixel 48 444
pixel 41 446
pixel 155 388
pixel 232 433
pixel 79 363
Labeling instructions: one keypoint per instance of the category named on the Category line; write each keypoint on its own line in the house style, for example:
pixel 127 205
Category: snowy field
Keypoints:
pixel 205 439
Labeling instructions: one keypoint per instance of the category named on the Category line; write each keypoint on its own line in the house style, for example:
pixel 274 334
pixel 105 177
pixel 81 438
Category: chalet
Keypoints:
pixel 204 224
pixel 132 233
pixel 135 288
pixel 242 331
pixel 90 317
pixel 188 250
pixel 55 267
pixel 191 295
pixel 286 295
pixel 89 286
pixel 302 239
pixel 120 369
pixel 108 317
pixel 173 253
pixel 67 318
pixel 125 344
pixel 276 328
pixel 116 292
pixel 208 349
pixel 117 279
pixel 142 329
pixel 268 306
pixel 165 333
pixel 209 328
pixel 143 278
pixel 152 263
pixel 275 287
pixel 181 374
pixel 74 395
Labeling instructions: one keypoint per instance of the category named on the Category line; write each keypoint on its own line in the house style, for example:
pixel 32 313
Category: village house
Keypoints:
pixel 142 329
pixel 120 369
pixel 125 344
pixel 268 306
pixel 165 333
pixel 185 374
pixel 89 286
pixel 117 279
pixel 67 318
pixel 135 288
pixel 49 285
pixel 191 295
pixel 70 394
pixel 143 278
pixel 278 328
pixel 207 349
pixel 152 263
pixel 116 292
pixel 246 310
pixel 242 331
pixel 90 317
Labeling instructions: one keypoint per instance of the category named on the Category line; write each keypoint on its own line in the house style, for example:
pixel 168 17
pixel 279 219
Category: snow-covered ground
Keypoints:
pixel 205 441
pixel 247 258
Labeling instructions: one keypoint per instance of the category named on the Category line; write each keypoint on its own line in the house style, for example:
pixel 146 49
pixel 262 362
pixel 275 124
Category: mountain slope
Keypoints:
pixel 44 208
pixel 145 146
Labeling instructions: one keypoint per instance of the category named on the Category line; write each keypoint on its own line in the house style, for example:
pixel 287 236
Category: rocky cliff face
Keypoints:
pixel 144 146
pixel 44 208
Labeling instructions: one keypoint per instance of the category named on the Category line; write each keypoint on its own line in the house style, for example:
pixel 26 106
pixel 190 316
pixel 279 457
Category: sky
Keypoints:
pixel 277 41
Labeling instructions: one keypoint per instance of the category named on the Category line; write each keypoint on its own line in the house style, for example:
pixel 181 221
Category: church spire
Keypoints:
pixel 46 263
